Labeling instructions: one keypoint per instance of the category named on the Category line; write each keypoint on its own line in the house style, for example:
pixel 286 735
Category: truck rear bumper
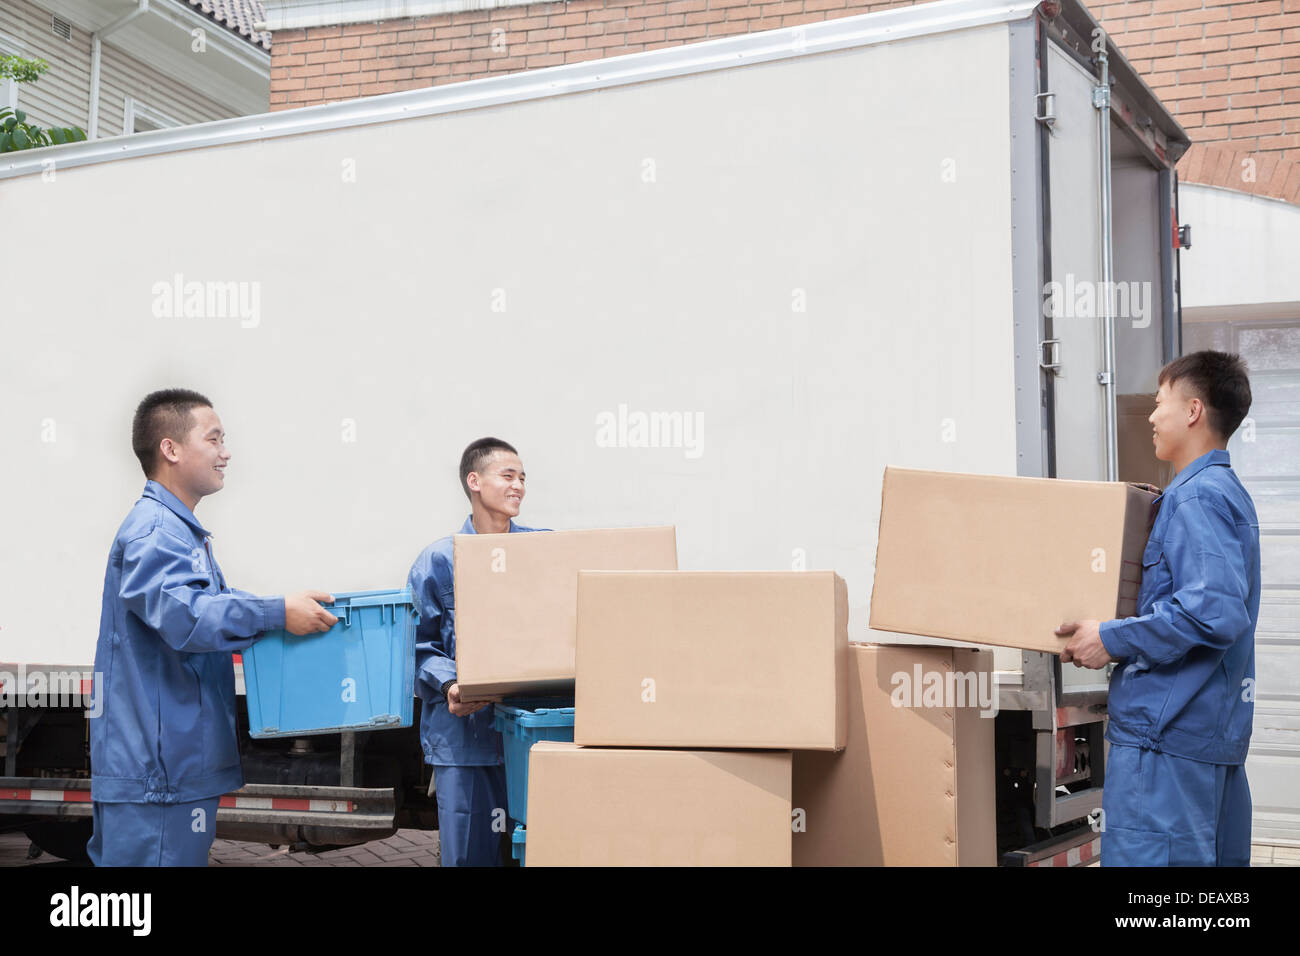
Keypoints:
pixel 351 808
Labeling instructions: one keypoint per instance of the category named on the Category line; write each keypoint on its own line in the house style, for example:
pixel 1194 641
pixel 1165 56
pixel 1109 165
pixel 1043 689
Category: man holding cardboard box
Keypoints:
pixel 458 738
pixel 1182 702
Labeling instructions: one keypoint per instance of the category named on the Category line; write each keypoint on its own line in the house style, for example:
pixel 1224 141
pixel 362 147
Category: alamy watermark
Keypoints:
pixel 1083 299
pixel 51 688
pixel 627 428
pixel 947 689
pixel 128 910
pixel 181 299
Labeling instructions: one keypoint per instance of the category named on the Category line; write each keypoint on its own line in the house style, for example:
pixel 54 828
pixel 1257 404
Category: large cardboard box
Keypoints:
pixel 516 602
pixel 915 786
pixel 712 659
pixel 995 560
pixel 599 807
pixel 1137 454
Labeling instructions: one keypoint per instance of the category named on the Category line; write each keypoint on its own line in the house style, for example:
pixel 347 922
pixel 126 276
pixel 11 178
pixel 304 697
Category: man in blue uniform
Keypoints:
pixel 1181 700
pixel 458 738
pixel 163 750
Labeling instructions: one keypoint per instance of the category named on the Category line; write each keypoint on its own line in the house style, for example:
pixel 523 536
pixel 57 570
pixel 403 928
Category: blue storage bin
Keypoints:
pixel 359 675
pixel 517 843
pixel 521 727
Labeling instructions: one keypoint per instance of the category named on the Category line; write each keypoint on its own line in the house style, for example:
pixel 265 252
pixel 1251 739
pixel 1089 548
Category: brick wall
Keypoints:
pixel 1229 70
pixel 322 64
pixel 1230 74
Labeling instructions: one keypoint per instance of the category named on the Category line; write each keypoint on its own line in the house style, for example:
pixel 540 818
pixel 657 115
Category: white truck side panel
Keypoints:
pixel 808 258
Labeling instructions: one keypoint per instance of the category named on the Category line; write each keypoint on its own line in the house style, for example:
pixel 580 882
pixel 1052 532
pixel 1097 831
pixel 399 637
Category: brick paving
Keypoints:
pixel 417 848
pixel 404 848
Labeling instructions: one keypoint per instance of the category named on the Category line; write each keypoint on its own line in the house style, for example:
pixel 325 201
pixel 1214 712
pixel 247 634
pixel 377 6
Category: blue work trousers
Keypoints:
pixel 472 819
pixel 1160 810
pixel 153 834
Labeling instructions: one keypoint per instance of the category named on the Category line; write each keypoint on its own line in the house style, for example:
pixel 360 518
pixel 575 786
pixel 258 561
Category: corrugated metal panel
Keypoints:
pixel 1266 456
pixel 61 97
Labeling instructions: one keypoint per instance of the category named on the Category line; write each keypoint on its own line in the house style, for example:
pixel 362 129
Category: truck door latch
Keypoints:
pixel 1053 363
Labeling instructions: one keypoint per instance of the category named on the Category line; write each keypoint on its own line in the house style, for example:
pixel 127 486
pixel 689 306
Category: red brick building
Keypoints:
pixel 1229 70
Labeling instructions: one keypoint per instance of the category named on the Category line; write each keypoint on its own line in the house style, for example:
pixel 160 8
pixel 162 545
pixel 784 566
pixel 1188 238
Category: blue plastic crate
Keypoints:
pixel 521 727
pixel 518 839
pixel 359 675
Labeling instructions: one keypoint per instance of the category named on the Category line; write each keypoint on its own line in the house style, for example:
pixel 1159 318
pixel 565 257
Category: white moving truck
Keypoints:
pixel 718 286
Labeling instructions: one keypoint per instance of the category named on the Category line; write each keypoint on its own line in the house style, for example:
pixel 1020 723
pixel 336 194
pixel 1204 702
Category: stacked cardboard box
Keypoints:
pixel 915 784
pixel 693 688
pixel 516 602
pixel 606 806
pixel 723 717
pixel 1137 456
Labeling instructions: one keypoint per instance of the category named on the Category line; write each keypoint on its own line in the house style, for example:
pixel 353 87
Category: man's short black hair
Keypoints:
pixel 476 456
pixel 162 414
pixel 1219 380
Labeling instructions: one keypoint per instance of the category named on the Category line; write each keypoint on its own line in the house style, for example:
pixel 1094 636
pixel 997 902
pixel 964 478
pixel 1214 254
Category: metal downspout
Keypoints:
pixel 92 131
pixel 1106 377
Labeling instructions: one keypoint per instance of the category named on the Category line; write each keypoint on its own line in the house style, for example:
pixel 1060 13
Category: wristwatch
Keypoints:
pixel 446 685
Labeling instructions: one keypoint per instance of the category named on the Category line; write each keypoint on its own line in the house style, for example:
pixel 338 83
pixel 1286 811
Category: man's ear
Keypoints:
pixel 1196 411
pixel 471 481
pixel 167 448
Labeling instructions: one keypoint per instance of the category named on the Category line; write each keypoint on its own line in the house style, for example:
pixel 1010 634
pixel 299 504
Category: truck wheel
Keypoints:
pixel 66 839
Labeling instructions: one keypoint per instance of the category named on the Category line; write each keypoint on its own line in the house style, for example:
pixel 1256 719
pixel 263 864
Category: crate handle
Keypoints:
pixel 342 611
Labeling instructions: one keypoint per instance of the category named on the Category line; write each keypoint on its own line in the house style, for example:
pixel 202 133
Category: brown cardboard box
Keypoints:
pixel 591 806
pixel 915 785
pixel 995 560
pixel 516 602
pixel 712 659
pixel 1137 454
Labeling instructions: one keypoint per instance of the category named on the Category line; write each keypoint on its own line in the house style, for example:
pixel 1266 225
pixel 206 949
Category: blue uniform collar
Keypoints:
pixel 468 526
pixel 1215 456
pixel 157 492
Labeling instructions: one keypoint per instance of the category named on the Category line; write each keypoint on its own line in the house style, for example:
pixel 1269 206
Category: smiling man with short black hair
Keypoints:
pixel 164 748
pixel 459 738
pixel 1181 703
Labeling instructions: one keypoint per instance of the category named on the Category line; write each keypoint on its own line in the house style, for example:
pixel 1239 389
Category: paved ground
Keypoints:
pixel 416 848
pixel 404 848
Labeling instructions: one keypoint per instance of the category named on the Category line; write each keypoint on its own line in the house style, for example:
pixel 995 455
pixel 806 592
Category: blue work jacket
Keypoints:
pixel 1185 680
pixel 163 666
pixel 447 740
